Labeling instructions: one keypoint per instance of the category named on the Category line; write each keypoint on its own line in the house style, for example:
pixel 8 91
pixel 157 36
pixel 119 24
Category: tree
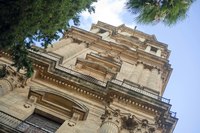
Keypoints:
pixel 23 22
pixel 153 11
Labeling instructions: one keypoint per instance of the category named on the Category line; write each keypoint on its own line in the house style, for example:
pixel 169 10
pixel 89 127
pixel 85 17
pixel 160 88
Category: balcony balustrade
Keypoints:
pixel 136 88
pixel 10 123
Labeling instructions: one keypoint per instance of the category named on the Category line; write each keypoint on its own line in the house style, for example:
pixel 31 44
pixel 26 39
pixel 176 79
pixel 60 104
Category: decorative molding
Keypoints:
pixel 3 71
pixel 59 102
pixel 16 79
pixel 126 121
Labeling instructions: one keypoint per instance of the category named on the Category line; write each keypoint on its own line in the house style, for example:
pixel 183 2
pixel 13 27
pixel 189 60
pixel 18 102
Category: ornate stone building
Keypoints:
pixel 106 80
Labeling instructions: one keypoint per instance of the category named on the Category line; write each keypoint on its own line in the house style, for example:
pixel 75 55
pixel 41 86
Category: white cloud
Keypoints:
pixel 108 11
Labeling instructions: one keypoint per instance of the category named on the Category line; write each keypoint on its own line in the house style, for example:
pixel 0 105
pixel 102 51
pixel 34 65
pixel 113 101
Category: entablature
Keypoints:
pixel 48 70
pixel 99 86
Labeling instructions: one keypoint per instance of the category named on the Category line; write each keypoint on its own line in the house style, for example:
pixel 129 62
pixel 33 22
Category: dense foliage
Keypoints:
pixel 22 22
pixel 152 11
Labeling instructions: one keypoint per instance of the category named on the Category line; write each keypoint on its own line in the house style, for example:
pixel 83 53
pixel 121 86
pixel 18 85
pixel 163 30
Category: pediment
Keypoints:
pixel 59 102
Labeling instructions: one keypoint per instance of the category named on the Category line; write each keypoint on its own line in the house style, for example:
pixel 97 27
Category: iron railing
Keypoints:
pixel 18 125
pixel 81 76
pixel 172 114
pixel 136 88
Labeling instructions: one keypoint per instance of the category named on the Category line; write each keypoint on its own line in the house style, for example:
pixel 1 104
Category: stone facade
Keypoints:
pixel 106 80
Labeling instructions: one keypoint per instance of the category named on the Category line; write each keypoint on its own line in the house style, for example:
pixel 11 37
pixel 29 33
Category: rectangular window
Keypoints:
pixel 153 49
pixel 102 31
pixel 43 122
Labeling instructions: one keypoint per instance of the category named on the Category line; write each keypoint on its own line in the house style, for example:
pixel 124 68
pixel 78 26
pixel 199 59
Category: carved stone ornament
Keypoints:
pixel 16 79
pixel 111 121
pixel 161 121
pixel 2 71
pixel 135 125
pixel 75 118
pixel 126 121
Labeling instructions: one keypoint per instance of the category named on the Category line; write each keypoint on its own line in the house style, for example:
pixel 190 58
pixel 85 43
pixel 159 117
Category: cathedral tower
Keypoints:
pixel 106 80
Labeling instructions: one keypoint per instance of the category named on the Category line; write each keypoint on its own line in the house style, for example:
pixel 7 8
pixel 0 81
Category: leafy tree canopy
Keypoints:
pixel 152 11
pixel 22 22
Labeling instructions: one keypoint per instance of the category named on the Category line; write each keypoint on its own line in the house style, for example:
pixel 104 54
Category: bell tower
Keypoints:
pixel 106 80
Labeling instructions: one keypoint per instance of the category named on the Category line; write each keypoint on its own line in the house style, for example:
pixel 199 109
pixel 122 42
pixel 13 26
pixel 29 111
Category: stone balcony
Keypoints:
pixel 11 124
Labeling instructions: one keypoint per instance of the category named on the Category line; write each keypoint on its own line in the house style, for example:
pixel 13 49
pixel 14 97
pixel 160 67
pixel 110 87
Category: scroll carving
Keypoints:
pixel 16 79
pixel 126 121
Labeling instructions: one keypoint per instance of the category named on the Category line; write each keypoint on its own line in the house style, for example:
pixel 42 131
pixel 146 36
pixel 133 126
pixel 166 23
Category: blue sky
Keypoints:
pixel 183 41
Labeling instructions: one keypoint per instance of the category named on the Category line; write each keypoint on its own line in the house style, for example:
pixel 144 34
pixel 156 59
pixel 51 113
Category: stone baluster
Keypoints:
pixel 137 73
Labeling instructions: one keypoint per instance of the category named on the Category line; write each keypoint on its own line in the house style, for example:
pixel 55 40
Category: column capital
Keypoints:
pixel 115 118
pixel 112 116
pixel 111 121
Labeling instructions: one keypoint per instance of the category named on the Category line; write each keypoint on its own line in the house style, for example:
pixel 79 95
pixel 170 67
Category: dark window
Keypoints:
pixel 102 31
pixel 43 122
pixel 153 49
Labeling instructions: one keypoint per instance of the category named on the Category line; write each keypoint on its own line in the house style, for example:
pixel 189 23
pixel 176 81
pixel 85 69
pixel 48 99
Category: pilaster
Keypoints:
pixel 137 72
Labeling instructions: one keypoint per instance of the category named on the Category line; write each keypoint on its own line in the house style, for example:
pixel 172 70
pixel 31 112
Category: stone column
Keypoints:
pixel 109 127
pixel 111 122
pixel 153 79
pixel 137 73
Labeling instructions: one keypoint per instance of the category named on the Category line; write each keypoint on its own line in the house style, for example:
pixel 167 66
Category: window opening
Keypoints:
pixel 102 31
pixel 43 122
pixel 153 49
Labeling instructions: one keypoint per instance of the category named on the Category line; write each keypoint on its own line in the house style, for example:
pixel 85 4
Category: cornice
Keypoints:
pixel 149 38
pixel 85 36
pixel 48 70
pixel 98 90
